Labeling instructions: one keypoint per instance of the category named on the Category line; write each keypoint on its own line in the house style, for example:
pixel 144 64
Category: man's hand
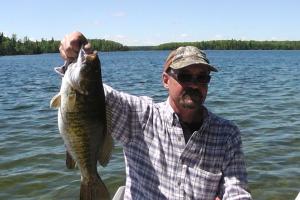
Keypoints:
pixel 71 44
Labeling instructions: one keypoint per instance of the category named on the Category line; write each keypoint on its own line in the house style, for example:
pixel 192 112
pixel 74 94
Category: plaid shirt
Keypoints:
pixel 161 165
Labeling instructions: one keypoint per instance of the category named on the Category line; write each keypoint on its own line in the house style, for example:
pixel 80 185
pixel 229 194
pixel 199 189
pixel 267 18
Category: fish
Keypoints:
pixel 82 123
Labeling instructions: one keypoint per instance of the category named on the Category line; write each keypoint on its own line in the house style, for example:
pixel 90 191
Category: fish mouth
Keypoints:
pixel 87 73
pixel 82 74
pixel 84 58
pixel 61 70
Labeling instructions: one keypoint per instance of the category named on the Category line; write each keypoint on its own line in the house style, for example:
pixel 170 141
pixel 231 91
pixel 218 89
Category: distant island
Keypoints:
pixel 14 46
pixel 227 45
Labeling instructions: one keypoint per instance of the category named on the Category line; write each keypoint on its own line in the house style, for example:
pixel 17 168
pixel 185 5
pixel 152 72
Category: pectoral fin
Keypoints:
pixel 55 101
pixel 70 162
pixel 106 150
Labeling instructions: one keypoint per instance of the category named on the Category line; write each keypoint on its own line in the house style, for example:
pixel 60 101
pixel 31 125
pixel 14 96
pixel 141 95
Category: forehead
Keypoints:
pixel 195 69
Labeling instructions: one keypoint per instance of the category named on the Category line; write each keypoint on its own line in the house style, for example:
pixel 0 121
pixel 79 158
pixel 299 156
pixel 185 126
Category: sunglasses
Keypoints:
pixel 185 78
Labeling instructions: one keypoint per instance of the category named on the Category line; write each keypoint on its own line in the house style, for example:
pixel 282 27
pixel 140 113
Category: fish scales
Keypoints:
pixel 80 140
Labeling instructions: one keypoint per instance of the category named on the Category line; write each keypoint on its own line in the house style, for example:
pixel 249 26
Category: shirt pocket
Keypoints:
pixel 204 184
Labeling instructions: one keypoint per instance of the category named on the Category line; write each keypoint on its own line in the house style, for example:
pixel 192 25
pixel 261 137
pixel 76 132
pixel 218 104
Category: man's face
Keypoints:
pixel 187 87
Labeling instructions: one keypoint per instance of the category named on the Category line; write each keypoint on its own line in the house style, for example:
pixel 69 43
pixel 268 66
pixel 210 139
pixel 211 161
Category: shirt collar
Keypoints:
pixel 171 116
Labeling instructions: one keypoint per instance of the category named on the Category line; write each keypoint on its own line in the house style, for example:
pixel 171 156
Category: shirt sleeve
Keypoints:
pixel 234 182
pixel 125 114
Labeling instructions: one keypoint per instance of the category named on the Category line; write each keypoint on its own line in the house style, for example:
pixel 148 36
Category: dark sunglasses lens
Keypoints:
pixel 188 78
pixel 204 79
pixel 184 78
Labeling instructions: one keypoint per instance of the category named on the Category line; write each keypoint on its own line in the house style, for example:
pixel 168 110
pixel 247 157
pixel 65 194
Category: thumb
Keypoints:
pixel 88 48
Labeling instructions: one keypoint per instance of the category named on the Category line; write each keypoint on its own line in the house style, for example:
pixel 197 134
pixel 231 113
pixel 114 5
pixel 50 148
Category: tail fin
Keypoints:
pixel 93 190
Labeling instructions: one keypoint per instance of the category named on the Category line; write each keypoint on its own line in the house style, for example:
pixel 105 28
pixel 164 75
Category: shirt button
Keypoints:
pixel 179 139
pixel 179 183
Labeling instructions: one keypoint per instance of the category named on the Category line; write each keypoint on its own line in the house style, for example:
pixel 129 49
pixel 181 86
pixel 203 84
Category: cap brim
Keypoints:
pixel 182 64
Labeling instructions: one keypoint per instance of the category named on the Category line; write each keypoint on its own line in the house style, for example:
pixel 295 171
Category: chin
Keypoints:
pixel 191 105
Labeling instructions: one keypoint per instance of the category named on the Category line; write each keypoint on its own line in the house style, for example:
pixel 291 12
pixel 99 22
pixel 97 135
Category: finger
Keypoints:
pixel 70 48
pixel 63 46
pixel 77 40
pixel 67 54
pixel 74 45
pixel 82 39
pixel 71 44
pixel 62 52
pixel 71 53
pixel 65 51
pixel 88 48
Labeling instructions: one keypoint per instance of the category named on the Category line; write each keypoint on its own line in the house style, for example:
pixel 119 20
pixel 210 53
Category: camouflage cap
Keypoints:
pixel 186 56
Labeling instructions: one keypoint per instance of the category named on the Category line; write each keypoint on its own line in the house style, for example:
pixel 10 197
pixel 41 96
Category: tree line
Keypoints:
pixel 107 45
pixel 234 45
pixel 14 46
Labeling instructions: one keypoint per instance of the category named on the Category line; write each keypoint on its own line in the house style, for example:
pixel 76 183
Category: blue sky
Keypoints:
pixel 152 22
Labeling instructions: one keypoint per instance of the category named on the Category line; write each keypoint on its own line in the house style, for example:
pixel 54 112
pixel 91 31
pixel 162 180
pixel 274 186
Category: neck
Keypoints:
pixel 188 115
pixel 191 116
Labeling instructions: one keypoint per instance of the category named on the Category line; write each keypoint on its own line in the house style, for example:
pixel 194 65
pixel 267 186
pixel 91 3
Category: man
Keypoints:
pixel 175 149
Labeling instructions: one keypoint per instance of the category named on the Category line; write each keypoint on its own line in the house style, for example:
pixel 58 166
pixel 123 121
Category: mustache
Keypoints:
pixel 192 92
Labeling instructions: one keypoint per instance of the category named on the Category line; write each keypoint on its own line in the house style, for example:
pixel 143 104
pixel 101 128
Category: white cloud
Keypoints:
pixel 274 38
pixel 97 23
pixel 149 43
pixel 120 36
pixel 157 35
pixel 119 14
pixel 117 38
pixel 125 40
pixel 218 37
pixel 184 35
pixel 243 38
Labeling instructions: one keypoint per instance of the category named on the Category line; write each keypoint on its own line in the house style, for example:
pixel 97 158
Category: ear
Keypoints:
pixel 165 80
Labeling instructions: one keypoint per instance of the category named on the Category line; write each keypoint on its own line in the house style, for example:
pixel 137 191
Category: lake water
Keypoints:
pixel 259 90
